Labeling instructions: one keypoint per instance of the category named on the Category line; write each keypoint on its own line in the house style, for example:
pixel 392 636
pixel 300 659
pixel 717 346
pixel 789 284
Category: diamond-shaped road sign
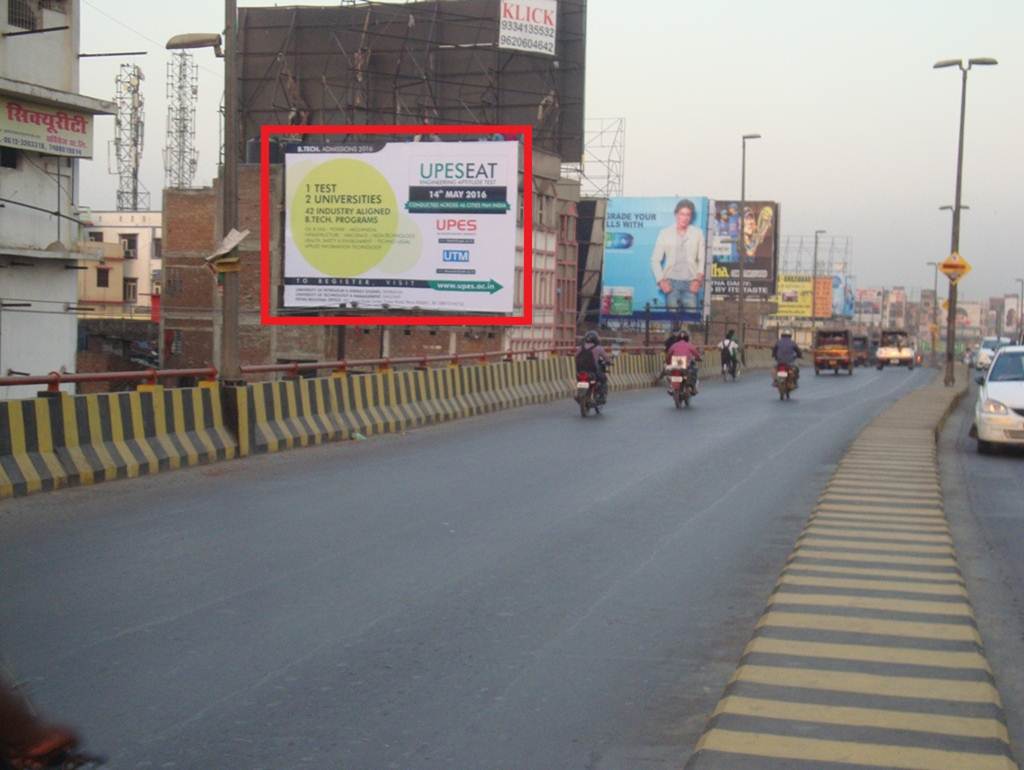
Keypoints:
pixel 954 267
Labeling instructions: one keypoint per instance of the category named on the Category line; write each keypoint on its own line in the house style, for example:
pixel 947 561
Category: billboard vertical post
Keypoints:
pixel 740 245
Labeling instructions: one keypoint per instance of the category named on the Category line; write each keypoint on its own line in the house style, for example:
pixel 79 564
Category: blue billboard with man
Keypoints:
pixel 656 256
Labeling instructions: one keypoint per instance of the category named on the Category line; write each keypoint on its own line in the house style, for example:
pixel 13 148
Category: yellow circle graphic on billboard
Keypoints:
pixel 344 217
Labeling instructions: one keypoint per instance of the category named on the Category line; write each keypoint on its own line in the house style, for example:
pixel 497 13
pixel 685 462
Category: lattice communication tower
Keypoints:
pixel 129 129
pixel 180 155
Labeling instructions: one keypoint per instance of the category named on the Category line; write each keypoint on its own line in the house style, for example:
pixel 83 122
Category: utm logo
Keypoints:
pixel 455 255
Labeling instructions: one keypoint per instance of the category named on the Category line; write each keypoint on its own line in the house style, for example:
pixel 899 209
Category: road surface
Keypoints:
pixel 526 589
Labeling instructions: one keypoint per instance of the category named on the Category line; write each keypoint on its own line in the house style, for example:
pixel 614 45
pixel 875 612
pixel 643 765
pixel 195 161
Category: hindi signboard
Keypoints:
pixel 39 128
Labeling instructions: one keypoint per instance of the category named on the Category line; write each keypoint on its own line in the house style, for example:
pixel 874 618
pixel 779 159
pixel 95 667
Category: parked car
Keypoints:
pixel 989 347
pixel 999 411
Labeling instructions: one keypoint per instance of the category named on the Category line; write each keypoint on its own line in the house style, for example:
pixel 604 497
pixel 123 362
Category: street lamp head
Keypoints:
pixel 950 208
pixel 982 61
pixel 196 40
pixel 820 232
pixel 751 136
pixel 948 63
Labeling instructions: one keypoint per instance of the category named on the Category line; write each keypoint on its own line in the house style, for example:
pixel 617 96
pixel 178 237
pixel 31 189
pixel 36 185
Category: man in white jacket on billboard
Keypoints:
pixel 678 260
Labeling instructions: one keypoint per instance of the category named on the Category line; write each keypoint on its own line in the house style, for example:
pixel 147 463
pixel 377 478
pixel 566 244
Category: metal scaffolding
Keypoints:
pixel 180 155
pixel 835 253
pixel 602 170
pixel 427 61
pixel 129 129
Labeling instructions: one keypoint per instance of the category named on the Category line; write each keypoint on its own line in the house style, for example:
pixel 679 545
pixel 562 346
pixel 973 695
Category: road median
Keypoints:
pixel 868 653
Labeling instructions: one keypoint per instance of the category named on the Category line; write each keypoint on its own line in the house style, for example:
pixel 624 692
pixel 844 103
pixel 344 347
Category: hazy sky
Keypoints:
pixel 859 131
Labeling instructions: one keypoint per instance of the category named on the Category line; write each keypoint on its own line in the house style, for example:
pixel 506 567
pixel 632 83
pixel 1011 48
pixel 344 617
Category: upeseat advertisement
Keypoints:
pixel 425 226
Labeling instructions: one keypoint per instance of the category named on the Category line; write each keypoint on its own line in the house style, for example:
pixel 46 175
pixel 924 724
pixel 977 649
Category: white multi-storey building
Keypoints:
pixel 45 126
pixel 123 283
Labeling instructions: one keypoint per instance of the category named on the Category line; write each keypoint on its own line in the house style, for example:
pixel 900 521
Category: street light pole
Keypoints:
pixel 935 316
pixel 229 368
pixel 950 378
pixel 229 359
pixel 739 241
pixel 1020 309
pixel 814 282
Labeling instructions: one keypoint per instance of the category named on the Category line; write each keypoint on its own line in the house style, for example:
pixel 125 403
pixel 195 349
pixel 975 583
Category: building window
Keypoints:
pixel 130 245
pixel 22 13
pixel 102 277
pixel 95 237
pixel 8 157
pixel 158 248
pixel 131 290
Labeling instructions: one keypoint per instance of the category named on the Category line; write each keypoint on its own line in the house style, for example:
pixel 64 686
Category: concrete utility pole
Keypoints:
pixel 1020 309
pixel 934 358
pixel 229 370
pixel 739 242
pixel 954 246
pixel 814 283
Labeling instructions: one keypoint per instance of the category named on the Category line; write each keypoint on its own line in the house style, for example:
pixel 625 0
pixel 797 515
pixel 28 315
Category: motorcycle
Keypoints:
pixel 681 385
pixel 785 380
pixel 588 392
pixel 730 368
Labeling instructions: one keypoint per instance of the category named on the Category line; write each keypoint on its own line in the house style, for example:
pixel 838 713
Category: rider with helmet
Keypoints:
pixel 683 347
pixel 592 359
pixel 786 351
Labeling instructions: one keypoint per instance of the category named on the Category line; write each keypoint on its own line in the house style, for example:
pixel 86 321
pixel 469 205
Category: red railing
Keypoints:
pixel 296 369
pixel 54 380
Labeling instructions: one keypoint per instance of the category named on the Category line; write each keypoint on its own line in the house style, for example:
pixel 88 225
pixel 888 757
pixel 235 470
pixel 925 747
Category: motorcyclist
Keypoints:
pixel 786 351
pixel 730 352
pixel 683 347
pixel 592 359
pixel 674 336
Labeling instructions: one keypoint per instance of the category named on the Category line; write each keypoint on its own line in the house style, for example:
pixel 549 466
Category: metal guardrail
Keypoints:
pixel 54 380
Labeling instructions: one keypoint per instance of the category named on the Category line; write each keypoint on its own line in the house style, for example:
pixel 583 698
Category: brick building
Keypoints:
pixel 191 310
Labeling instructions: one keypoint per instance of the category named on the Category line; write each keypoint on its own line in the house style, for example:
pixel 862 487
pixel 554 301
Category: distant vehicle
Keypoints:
pixel 832 351
pixel 895 348
pixel 999 411
pixel 861 346
pixel 989 347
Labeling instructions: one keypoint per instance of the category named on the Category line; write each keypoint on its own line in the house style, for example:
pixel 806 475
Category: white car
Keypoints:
pixel 989 347
pixel 999 412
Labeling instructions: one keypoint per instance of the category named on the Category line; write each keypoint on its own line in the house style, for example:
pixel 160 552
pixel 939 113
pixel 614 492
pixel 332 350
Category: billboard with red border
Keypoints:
pixel 358 236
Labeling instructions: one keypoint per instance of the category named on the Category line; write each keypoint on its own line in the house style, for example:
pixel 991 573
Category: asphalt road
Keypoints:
pixel 984 498
pixel 521 590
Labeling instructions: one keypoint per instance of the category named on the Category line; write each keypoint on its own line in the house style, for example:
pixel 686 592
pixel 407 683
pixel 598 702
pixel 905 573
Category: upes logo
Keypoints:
pixel 455 225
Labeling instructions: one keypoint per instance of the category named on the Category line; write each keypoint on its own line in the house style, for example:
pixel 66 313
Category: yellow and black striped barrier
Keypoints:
pixel 47 443
pixel 868 655
pixel 52 442
pixel 300 412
